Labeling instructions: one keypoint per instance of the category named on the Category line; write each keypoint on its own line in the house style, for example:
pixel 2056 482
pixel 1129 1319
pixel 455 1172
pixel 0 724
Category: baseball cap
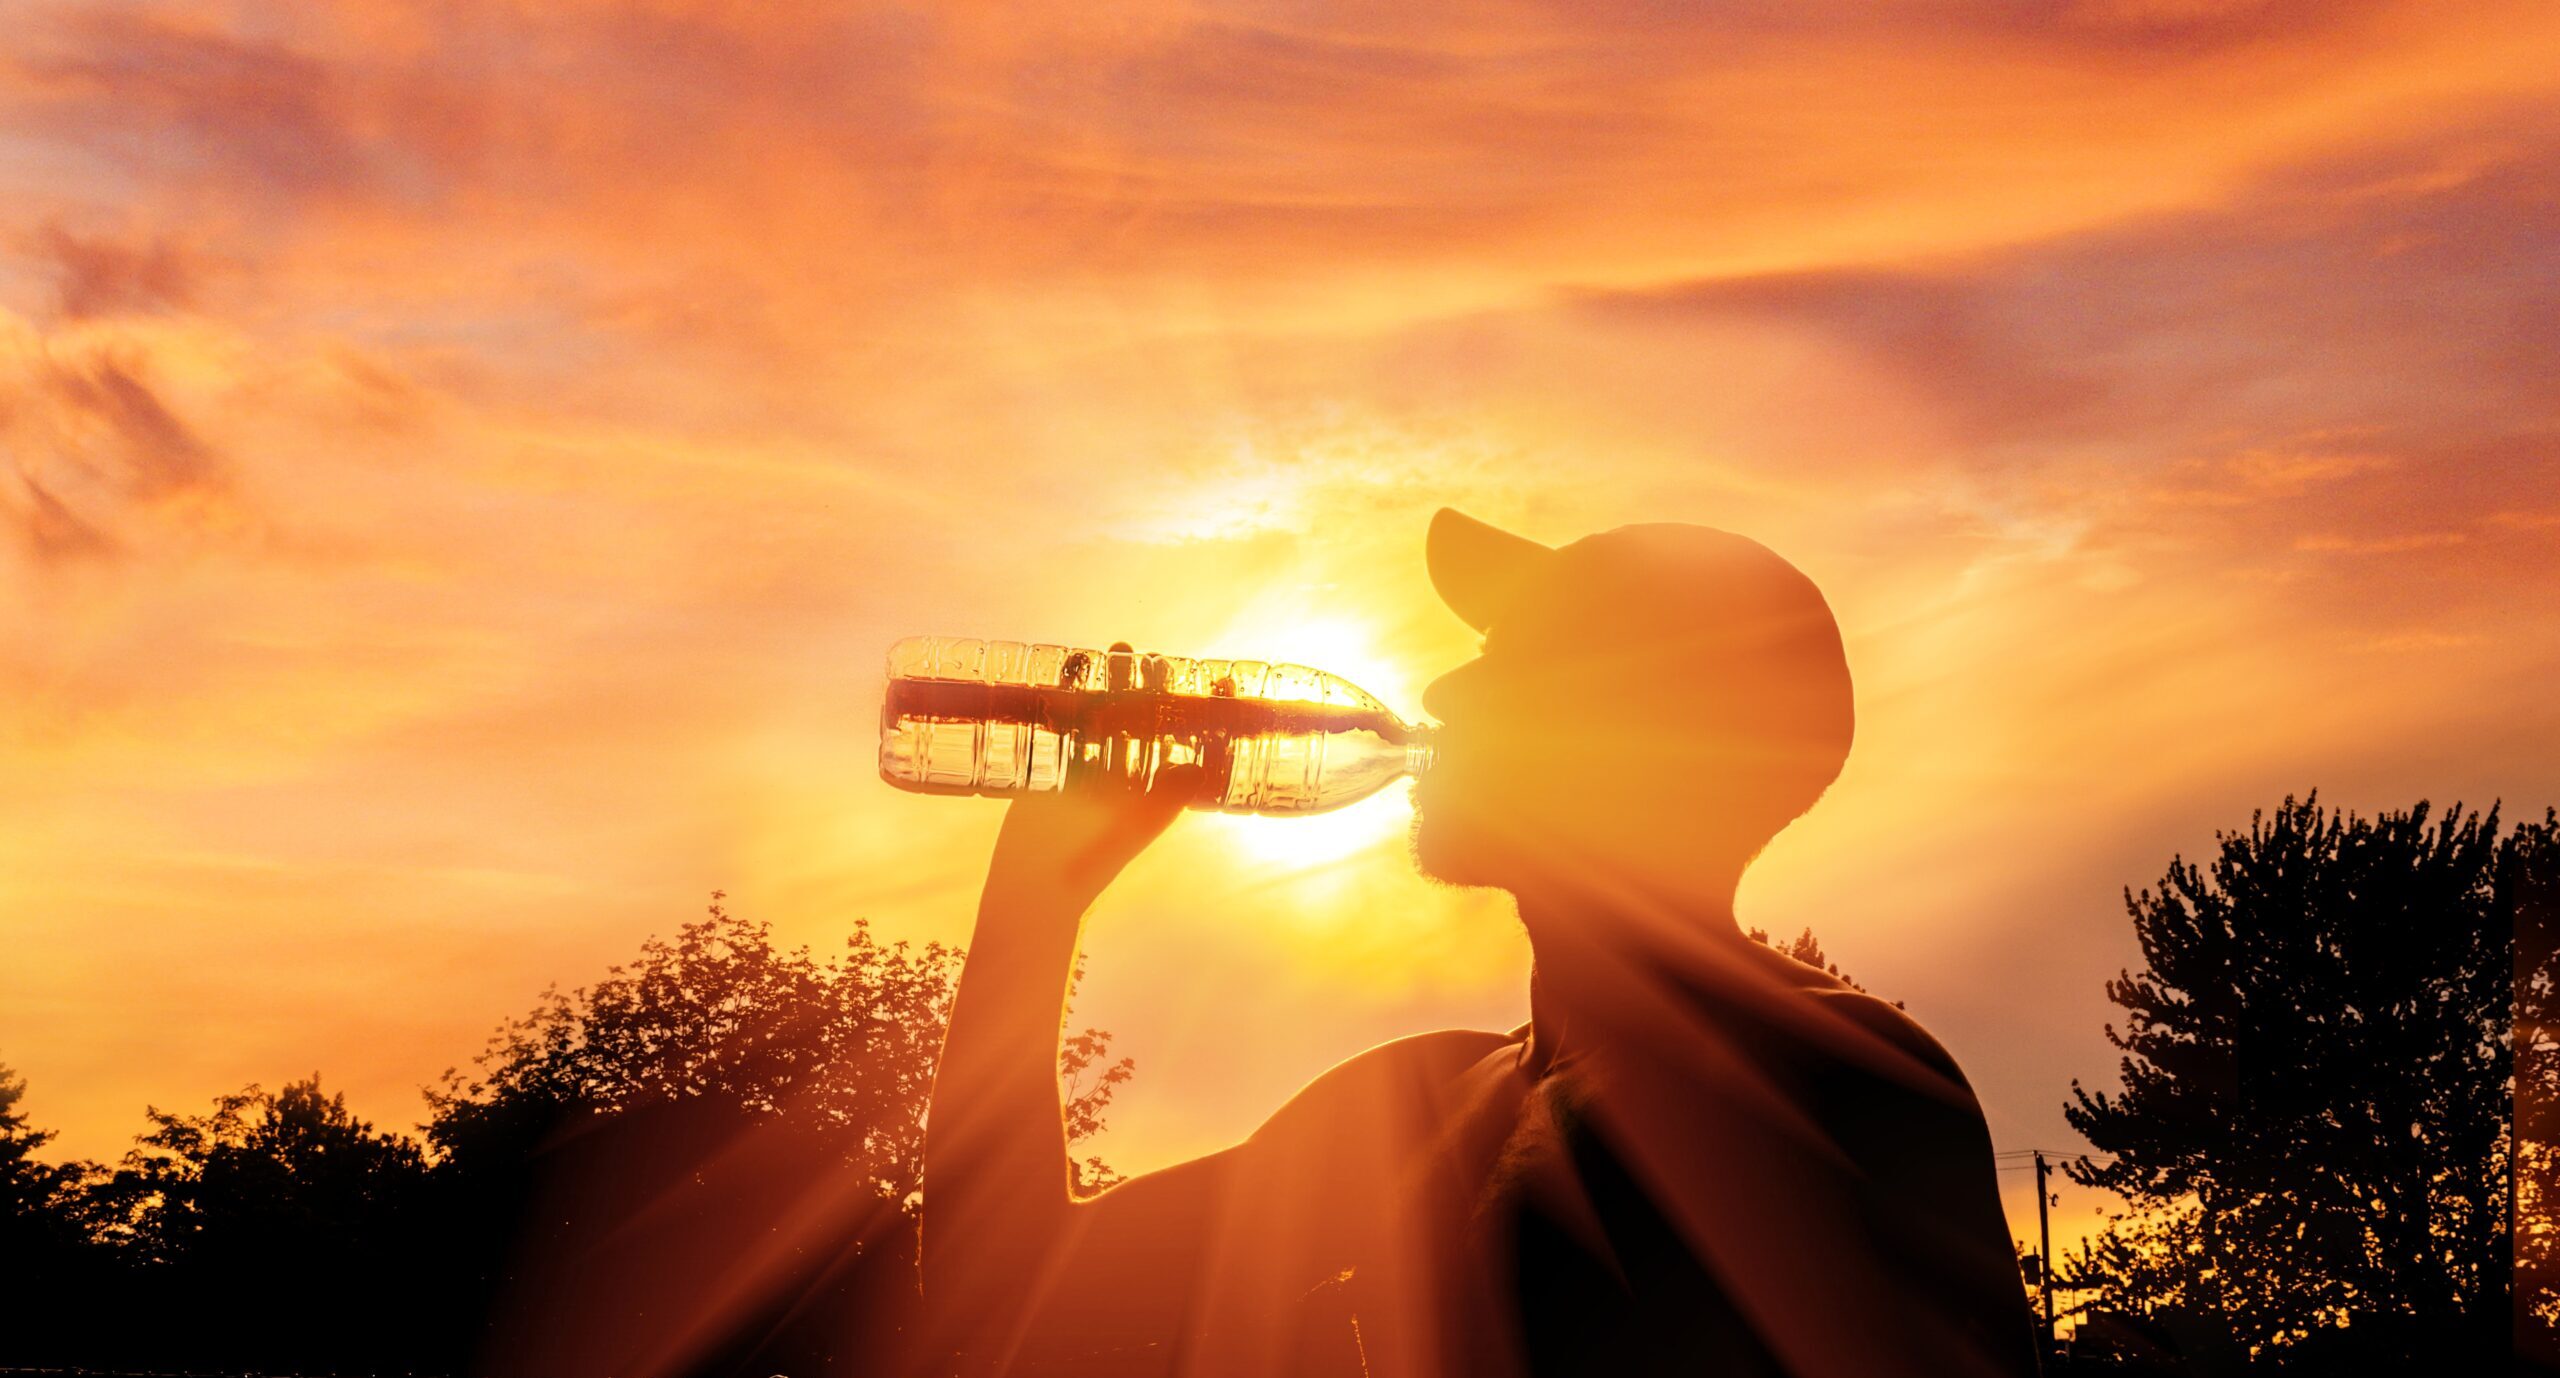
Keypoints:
pixel 1719 615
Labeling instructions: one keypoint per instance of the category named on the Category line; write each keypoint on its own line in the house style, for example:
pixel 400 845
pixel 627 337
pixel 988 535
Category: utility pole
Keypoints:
pixel 2044 1228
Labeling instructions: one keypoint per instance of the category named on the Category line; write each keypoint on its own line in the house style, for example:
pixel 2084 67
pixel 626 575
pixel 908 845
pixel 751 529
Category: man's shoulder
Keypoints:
pixel 1880 1083
pixel 1415 1060
pixel 1890 1027
pixel 1415 1075
pixel 1834 1021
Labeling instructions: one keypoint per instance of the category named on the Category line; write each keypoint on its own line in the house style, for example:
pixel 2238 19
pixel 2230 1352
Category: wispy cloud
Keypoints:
pixel 101 460
pixel 100 275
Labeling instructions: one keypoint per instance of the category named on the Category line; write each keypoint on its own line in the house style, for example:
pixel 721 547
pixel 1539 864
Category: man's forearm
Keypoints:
pixel 997 1208
pixel 996 1172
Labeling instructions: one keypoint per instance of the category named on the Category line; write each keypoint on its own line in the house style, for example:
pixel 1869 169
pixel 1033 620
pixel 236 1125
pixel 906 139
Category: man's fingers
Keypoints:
pixel 1180 784
pixel 1133 822
pixel 1150 814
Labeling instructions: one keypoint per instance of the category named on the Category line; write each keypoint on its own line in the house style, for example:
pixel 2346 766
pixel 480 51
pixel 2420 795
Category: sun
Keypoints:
pixel 1344 643
pixel 1349 646
pixel 1298 844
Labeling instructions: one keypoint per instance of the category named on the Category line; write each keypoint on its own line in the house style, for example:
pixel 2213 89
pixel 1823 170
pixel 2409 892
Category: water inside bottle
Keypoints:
pixel 1002 718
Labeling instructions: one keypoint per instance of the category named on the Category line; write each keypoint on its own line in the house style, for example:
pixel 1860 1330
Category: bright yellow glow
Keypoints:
pixel 1297 844
pixel 1349 646
pixel 1342 642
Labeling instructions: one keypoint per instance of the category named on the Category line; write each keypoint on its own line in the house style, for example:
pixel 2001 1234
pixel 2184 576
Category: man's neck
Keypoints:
pixel 1575 931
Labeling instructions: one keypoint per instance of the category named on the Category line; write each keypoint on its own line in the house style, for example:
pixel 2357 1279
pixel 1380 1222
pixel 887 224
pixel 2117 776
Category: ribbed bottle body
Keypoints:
pixel 999 718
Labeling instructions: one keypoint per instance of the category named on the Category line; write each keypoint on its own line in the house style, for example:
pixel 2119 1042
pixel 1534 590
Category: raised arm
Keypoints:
pixel 1209 1265
pixel 1005 1243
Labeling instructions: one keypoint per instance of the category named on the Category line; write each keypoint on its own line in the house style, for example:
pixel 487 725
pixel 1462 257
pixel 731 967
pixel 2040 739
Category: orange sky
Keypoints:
pixel 463 460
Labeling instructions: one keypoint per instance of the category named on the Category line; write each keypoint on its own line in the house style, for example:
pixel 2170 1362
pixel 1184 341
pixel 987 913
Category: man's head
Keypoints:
pixel 1652 705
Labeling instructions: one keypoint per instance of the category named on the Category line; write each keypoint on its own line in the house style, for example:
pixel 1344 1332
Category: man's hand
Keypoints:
pixel 1070 846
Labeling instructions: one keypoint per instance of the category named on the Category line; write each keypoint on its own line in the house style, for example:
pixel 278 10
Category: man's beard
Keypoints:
pixel 1445 852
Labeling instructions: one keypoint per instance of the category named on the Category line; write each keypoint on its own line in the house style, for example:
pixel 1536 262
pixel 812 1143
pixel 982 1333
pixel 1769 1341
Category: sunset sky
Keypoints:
pixel 462 460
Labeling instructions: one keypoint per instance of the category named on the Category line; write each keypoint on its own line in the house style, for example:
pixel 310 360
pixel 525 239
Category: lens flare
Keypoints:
pixel 1348 645
pixel 1295 844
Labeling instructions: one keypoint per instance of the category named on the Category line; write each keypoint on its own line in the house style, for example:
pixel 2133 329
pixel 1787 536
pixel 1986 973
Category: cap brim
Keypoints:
pixel 1478 569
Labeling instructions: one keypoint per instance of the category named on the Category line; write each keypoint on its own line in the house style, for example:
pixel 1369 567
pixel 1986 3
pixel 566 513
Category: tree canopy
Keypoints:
pixel 2534 869
pixel 1806 948
pixel 2312 1134
pixel 719 1107
pixel 843 1047
pixel 43 1206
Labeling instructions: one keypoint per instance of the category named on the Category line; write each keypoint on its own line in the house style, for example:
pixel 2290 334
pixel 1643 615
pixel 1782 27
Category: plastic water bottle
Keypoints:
pixel 1002 718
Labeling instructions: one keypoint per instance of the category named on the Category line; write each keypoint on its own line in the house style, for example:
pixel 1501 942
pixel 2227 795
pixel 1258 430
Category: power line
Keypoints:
pixel 2028 1155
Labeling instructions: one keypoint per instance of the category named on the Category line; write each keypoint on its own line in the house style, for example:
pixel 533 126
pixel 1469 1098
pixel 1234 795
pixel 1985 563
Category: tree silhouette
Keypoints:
pixel 286 1194
pixel 291 1175
pixel 1806 948
pixel 37 1199
pixel 706 1162
pixel 720 1107
pixel 45 1261
pixel 2312 1135
pixel 844 1047
pixel 2534 882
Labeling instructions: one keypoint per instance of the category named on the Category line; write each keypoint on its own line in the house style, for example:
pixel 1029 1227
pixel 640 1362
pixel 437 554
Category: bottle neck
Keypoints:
pixel 1421 748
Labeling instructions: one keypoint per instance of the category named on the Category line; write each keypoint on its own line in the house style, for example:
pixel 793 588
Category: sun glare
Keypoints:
pixel 1349 646
pixel 1343 643
pixel 1296 844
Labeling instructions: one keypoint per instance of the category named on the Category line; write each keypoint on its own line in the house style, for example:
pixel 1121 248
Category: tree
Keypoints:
pixel 43 1253
pixel 36 1198
pixel 707 1162
pixel 2312 1135
pixel 720 1108
pixel 2533 881
pixel 286 1194
pixel 846 1046
pixel 1806 948
pixel 291 1176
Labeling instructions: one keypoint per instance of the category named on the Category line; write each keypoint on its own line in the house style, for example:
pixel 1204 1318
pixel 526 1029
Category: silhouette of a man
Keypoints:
pixel 1698 1157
